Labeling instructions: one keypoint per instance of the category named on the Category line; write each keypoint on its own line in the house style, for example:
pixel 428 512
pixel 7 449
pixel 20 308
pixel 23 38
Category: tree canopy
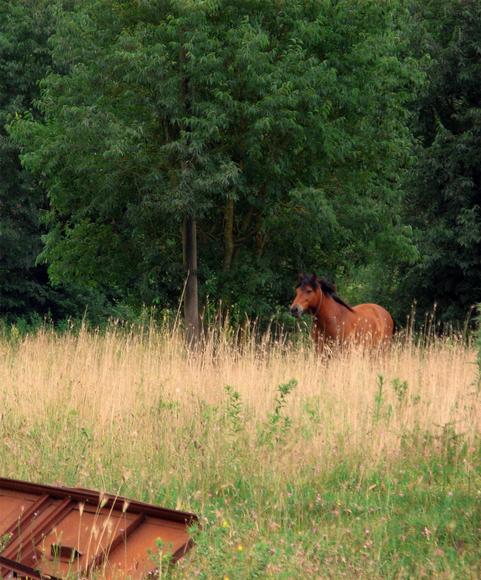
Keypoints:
pixel 443 200
pixel 321 135
pixel 282 126
pixel 24 60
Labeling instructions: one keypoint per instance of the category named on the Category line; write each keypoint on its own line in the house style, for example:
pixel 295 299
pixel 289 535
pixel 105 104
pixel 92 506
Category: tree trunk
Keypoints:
pixel 228 234
pixel 191 298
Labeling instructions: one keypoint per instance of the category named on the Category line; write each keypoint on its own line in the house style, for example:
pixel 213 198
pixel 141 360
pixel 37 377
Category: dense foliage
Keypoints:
pixel 25 289
pixel 24 60
pixel 444 197
pixel 286 129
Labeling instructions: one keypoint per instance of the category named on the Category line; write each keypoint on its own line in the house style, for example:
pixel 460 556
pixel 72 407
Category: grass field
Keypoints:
pixel 299 467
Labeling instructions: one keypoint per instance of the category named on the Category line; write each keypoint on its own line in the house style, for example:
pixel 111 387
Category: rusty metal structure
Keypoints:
pixel 49 532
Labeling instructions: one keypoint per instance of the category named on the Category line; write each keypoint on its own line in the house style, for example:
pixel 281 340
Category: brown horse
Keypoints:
pixel 336 321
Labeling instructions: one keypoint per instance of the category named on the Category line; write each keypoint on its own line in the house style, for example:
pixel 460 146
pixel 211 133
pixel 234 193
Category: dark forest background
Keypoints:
pixel 331 136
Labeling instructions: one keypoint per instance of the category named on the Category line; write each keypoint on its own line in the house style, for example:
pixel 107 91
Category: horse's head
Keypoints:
pixel 310 292
pixel 308 296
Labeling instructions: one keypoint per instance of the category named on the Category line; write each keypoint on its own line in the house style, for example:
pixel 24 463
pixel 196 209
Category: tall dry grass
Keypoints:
pixel 143 389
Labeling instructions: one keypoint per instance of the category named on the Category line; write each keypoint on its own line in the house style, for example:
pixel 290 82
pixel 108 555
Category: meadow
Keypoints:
pixel 298 466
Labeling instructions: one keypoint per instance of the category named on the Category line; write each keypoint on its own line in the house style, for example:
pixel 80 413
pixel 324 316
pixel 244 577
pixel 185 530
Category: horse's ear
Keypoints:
pixel 314 281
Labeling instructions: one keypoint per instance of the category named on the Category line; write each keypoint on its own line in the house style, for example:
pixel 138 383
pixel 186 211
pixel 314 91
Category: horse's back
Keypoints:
pixel 377 319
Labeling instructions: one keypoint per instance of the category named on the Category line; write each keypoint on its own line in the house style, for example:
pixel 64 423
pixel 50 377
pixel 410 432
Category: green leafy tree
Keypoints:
pixel 444 200
pixel 24 59
pixel 279 130
pixel 25 290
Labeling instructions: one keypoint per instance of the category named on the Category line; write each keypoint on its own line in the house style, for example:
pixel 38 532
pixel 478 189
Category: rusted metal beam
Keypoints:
pixel 23 571
pixel 53 531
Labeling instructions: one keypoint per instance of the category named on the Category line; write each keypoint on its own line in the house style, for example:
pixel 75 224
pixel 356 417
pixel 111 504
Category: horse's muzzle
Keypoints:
pixel 296 311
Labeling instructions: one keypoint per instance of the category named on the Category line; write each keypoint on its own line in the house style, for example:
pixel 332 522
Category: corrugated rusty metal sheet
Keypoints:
pixel 52 532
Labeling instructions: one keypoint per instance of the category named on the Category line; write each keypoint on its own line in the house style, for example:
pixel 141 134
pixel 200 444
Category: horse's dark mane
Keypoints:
pixel 327 287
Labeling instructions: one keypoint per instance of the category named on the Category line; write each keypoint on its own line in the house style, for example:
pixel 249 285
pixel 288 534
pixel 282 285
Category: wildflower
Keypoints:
pixel 426 533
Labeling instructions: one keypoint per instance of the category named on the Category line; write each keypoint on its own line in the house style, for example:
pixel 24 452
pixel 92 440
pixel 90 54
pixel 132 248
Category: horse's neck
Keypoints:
pixel 331 314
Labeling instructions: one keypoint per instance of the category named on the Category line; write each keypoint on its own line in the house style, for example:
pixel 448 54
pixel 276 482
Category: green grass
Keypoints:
pixel 409 519
pixel 416 515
